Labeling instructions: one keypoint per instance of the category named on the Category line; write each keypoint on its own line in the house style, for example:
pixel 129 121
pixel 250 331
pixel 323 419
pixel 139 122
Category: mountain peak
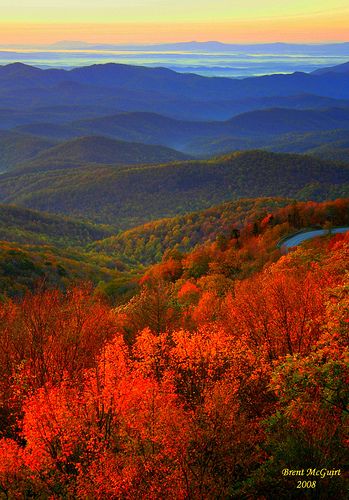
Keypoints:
pixel 340 68
pixel 20 65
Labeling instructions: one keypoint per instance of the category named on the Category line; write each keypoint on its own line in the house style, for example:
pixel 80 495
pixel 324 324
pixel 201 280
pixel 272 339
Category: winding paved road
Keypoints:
pixel 297 239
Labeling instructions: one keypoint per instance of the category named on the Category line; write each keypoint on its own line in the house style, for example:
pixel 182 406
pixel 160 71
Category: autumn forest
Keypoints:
pixel 228 364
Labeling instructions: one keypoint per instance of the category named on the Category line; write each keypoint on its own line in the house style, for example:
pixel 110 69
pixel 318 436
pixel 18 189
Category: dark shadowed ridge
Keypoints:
pixel 102 150
pixel 24 225
pixel 153 128
pixel 340 68
pixel 131 195
pixel 16 147
pixel 169 82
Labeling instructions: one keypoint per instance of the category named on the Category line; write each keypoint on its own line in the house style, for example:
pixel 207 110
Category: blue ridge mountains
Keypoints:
pixel 117 87
pixel 123 145
pixel 259 128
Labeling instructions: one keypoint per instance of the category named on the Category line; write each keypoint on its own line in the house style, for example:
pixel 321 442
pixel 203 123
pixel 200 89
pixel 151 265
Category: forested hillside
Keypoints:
pixel 30 226
pixel 101 150
pixel 25 267
pixel 43 248
pixel 129 196
pixel 16 148
pixel 293 142
pixel 146 244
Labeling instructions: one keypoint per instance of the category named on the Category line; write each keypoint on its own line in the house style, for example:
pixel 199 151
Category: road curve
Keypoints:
pixel 297 239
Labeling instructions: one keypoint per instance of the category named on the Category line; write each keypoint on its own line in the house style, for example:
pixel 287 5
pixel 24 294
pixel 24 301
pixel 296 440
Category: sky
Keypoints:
pixel 150 21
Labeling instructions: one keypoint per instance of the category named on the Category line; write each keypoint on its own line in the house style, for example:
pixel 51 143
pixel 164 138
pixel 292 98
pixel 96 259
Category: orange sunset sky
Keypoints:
pixel 149 21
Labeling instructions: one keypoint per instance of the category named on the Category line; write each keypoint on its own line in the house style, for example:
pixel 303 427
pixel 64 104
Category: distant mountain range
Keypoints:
pixel 209 46
pixel 260 127
pixel 169 83
pixel 136 88
pixel 192 114
pixel 116 115
pixel 328 144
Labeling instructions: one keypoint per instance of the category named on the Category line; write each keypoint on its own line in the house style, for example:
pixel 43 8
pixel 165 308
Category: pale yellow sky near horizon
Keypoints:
pixel 149 21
